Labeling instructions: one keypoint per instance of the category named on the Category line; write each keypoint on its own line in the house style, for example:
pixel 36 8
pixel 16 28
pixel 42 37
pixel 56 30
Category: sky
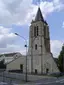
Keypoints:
pixel 16 16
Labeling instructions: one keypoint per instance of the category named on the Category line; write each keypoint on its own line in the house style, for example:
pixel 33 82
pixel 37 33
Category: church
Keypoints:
pixel 39 57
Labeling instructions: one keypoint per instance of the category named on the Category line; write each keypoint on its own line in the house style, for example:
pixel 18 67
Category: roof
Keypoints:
pixel 15 59
pixel 8 54
pixel 39 16
pixel 45 22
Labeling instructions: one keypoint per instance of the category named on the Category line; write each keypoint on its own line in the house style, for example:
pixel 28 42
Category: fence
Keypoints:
pixel 11 77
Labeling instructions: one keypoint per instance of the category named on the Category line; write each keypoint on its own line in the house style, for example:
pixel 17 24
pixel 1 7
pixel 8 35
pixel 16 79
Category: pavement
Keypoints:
pixel 43 81
pixel 50 81
pixel 19 79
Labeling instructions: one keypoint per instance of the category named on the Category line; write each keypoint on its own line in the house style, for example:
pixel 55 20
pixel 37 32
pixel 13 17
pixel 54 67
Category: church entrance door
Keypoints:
pixel 47 70
pixel 35 71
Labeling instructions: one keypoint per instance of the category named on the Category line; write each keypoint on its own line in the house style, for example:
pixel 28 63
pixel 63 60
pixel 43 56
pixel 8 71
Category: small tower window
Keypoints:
pixel 35 46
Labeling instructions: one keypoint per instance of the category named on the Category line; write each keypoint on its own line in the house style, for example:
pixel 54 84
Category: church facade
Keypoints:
pixel 39 57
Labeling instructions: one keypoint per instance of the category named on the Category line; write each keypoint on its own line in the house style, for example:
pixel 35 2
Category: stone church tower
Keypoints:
pixel 42 60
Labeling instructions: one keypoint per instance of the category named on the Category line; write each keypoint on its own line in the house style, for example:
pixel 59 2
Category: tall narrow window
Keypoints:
pixel 34 31
pixel 35 46
pixel 44 31
pixel 37 30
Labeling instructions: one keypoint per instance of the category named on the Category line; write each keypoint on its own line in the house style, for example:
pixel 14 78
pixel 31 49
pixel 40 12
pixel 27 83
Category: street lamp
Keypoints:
pixel 26 53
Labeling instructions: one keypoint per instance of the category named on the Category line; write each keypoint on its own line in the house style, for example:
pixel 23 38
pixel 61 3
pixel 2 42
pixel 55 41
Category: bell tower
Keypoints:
pixel 39 43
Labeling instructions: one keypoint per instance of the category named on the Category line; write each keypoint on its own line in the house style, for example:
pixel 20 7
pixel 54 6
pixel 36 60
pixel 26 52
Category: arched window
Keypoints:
pixel 35 31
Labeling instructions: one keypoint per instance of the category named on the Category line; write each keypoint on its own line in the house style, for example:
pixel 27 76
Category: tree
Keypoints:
pixel 61 60
pixel 2 65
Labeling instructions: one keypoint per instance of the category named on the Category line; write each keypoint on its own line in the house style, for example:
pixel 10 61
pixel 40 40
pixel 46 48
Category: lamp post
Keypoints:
pixel 26 53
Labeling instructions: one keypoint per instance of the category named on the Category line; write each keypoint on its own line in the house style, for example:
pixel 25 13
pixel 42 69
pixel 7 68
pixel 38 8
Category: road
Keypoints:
pixel 50 81
pixel 36 80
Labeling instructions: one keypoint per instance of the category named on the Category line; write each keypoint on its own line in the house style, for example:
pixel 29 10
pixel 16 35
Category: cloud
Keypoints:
pixel 20 12
pixel 8 41
pixel 6 37
pixel 9 48
pixel 49 7
pixel 14 11
pixel 56 46
pixel 63 25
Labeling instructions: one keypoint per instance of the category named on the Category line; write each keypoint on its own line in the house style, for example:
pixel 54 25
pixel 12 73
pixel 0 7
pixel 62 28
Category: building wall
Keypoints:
pixel 49 63
pixel 15 64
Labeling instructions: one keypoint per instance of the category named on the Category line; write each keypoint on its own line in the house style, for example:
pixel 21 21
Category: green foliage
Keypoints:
pixel 61 60
pixel 2 65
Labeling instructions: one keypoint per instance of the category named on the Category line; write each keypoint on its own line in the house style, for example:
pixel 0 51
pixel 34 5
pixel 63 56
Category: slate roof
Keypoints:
pixel 39 16
pixel 45 22
pixel 8 54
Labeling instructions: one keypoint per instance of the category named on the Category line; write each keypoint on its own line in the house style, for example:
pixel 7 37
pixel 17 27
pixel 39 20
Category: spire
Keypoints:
pixel 39 16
